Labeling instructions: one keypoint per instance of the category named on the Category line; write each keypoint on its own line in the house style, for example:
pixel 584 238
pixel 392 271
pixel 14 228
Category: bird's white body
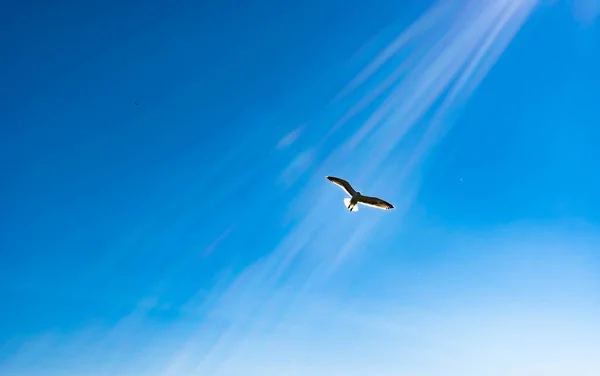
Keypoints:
pixel 352 206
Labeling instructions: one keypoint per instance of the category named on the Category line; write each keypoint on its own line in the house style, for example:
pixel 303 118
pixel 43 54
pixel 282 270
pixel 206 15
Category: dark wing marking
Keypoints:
pixel 342 183
pixel 375 202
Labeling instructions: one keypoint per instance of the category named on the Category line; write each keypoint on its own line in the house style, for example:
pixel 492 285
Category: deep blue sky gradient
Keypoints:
pixel 105 206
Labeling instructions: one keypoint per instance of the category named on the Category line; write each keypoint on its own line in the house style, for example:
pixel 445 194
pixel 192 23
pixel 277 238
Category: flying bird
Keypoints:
pixel 356 197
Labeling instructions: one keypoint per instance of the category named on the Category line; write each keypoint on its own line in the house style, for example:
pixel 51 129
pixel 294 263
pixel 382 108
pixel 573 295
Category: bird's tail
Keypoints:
pixel 347 203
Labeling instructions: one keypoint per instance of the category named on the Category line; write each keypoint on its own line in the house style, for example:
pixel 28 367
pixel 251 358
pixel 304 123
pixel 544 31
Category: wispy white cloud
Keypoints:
pixel 422 25
pixel 299 165
pixel 503 324
pixel 214 244
pixel 290 138
pixel 487 329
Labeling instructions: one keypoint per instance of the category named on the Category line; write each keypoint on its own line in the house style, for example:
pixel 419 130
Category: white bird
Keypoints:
pixel 355 197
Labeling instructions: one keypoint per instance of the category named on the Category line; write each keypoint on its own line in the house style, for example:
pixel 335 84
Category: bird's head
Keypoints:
pixel 357 192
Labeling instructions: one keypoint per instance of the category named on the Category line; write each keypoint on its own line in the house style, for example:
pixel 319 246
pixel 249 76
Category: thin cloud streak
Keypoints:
pixel 424 23
pixel 290 138
pixel 492 47
pixel 448 68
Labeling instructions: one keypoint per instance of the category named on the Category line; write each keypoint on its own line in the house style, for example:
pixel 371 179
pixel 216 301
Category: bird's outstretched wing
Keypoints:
pixel 342 183
pixel 375 202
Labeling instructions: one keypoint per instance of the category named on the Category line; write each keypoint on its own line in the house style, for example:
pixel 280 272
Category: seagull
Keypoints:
pixel 356 197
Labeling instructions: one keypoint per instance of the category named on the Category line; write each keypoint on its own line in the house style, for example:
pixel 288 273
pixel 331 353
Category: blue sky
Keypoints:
pixel 196 234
